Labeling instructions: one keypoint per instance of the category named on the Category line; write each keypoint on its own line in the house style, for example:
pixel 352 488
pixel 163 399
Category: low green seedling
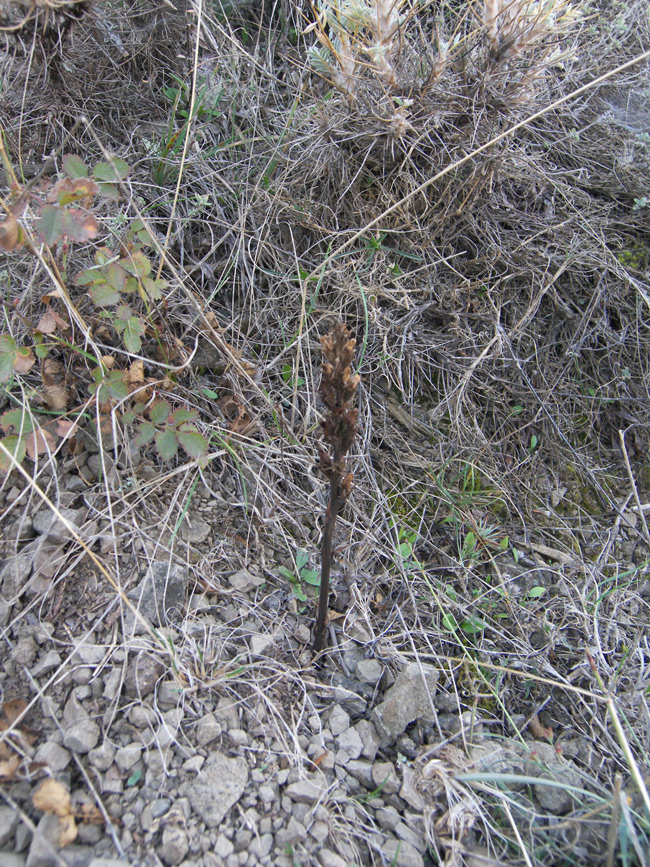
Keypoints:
pixel 302 575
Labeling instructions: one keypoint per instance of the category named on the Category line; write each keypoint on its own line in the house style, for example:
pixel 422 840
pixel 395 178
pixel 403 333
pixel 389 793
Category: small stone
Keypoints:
pixel 407 834
pixel 47 524
pixel 339 721
pixel 48 663
pixel 223 847
pixel 175 845
pixel 369 739
pixel 328 858
pixel 142 674
pixel 14 575
pixel 266 794
pixel 194 529
pixel 113 685
pixel 53 755
pixel 208 729
pixel 350 741
pixel 361 771
pixel 401 854
pixel 8 823
pixel 410 698
pixel 159 807
pixel 81 736
pixel 302 634
pixel 45 842
pixel 217 788
pixel 194 764
pixel 127 756
pixel 369 671
pixel 307 791
pixel 385 777
pixel 160 596
pixel 24 653
pixel 319 831
pixel 260 644
pixel 388 818
pixel 238 737
pixel 141 716
pixel 262 845
pixel 244 581
pixel 102 757
pixel 292 834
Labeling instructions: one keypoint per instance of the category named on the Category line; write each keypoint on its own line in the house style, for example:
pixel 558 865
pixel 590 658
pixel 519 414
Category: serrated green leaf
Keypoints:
pixel 137 264
pixel 154 288
pixel 166 444
pixel 192 442
pixel 7 357
pixel 15 445
pixel 128 417
pixel 139 231
pixel 146 433
pixel 74 167
pixel 159 411
pixel 115 276
pixel 180 416
pixel 88 277
pixel 108 172
pixel 109 385
pixel 104 295
pixel 108 191
pixel 132 332
pixel 55 224
pixel 16 419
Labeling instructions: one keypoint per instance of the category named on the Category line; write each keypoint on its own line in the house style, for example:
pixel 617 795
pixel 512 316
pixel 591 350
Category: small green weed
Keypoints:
pixel 301 575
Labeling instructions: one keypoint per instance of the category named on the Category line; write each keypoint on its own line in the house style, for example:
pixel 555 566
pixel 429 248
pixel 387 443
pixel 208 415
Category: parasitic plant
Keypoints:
pixel 338 391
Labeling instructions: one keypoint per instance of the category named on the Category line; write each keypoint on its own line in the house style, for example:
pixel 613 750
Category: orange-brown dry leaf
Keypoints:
pixel 52 797
pixel 538 731
pixel 12 710
pixel 8 767
pixel 54 391
pixel 64 427
pixel 108 361
pixel 90 814
pixel 39 442
pixel 11 234
pixel 67 830
pixel 50 321
pixel 134 376
pixel 24 361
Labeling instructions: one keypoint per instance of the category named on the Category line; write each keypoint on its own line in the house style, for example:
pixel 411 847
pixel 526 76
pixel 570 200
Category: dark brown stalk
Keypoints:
pixel 338 390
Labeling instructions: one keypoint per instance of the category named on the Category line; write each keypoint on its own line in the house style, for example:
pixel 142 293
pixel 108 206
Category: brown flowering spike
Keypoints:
pixel 338 391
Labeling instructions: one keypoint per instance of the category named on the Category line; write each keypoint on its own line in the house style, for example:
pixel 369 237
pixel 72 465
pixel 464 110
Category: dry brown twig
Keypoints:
pixel 338 390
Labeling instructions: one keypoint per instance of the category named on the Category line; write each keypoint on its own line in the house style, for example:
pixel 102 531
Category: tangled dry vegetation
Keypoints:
pixel 194 193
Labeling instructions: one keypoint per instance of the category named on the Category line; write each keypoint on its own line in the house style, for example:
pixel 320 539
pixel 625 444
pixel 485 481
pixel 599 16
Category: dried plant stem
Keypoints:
pixel 333 507
pixel 338 390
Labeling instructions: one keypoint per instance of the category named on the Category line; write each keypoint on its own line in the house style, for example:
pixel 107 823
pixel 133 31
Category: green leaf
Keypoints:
pixel 7 357
pixel 132 333
pixel 139 231
pixel 449 622
pixel 15 446
pixel 111 173
pixel 209 393
pixel 286 573
pixel 74 167
pixel 406 550
pixel 299 593
pixel 184 415
pixel 154 288
pixel 192 442
pixel 128 417
pixel 472 625
pixel 311 576
pixel 16 419
pixel 302 558
pixel 104 295
pixel 533 442
pixel 137 264
pixel 135 777
pixel 109 385
pixel 166 444
pixel 145 434
pixel 57 223
pixel 159 411
pixel 536 592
